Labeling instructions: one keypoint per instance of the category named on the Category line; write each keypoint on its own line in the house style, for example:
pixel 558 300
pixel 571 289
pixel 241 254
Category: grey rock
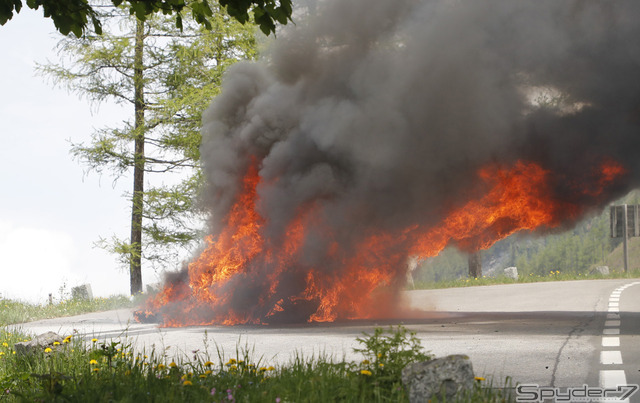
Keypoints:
pixel 511 272
pixel 429 380
pixel 82 292
pixel 38 343
pixel 604 270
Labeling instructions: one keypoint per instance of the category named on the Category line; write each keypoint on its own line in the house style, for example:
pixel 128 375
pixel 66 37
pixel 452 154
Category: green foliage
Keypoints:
pixel 182 72
pixel 390 351
pixel 72 16
pixel 67 15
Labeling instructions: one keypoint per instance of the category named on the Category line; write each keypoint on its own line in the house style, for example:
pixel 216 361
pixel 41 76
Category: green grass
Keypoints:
pixel 531 278
pixel 19 312
pixel 81 371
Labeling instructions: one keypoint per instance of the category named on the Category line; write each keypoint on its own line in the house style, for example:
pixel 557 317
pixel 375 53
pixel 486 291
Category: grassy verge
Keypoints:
pixel 79 371
pixel 20 312
pixel 531 278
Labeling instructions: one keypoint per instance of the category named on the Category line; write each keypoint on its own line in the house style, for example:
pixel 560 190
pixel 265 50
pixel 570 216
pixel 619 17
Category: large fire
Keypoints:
pixel 239 261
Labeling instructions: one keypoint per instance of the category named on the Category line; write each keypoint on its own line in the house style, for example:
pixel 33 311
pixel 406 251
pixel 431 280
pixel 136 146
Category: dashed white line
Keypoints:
pixel 610 341
pixel 612 377
pixel 610 358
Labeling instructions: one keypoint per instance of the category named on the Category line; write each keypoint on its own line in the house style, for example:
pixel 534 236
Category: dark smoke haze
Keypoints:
pixel 383 111
pixel 380 112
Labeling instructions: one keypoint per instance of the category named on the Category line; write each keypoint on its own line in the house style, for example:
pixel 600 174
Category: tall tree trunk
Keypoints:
pixel 475 265
pixel 139 159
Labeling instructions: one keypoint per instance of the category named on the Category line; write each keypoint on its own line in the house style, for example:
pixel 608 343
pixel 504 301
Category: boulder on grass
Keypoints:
pixel 442 378
pixel 38 343
pixel 82 292
pixel 604 270
pixel 511 272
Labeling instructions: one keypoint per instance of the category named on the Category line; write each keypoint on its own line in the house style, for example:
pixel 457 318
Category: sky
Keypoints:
pixel 51 210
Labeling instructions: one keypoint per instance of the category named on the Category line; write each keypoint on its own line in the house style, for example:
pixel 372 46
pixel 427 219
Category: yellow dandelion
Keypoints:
pixel 93 362
pixel 365 362
pixel 208 372
pixel 187 383
pixel 479 378
pixel 56 343
pixel 381 365
pixel 173 364
pixel 202 376
pixel 48 350
pixel 1 353
pixel 379 355
pixel 365 372
pixel 208 364
pixel 94 340
pixel 233 368
pixel 161 366
pixel 96 369
pixel 5 344
pixel 65 340
pixel 262 369
pixel 231 361
pixel 270 368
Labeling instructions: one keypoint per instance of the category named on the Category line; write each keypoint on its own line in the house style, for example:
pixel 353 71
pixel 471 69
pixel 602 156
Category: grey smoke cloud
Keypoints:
pixel 378 115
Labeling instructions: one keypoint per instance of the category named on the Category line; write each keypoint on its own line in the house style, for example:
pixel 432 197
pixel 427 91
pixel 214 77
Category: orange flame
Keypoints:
pixel 237 263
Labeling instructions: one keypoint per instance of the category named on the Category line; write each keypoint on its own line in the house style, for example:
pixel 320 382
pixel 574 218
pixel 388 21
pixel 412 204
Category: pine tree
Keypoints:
pixel 167 76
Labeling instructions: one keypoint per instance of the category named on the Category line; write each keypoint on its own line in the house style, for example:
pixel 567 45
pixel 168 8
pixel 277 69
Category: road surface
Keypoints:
pixel 560 334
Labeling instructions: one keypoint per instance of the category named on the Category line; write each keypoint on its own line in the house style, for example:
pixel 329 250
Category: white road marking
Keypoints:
pixel 610 358
pixel 612 377
pixel 610 341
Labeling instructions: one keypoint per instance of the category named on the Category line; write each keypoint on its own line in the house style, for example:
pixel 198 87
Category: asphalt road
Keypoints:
pixel 560 334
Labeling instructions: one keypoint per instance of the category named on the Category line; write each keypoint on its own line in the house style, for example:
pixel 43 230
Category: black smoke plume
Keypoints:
pixel 379 113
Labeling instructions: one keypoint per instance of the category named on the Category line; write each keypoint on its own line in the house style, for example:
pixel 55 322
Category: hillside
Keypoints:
pixel 577 250
pixel 615 260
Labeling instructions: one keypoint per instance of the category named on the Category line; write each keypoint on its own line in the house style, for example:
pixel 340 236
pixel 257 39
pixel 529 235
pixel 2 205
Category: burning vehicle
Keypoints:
pixel 364 138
